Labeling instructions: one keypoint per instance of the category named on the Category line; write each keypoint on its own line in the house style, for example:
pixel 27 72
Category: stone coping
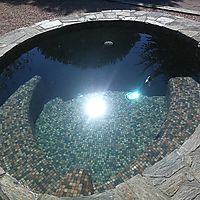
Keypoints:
pixel 187 27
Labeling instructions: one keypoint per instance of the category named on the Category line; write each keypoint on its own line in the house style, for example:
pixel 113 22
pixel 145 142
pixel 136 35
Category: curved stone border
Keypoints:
pixel 187 27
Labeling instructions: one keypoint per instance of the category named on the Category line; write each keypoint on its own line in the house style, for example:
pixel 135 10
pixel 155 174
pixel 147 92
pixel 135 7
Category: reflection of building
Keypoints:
pixel 85 47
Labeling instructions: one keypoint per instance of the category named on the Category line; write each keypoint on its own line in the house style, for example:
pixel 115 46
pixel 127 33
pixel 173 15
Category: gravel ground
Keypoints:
pixel 16 14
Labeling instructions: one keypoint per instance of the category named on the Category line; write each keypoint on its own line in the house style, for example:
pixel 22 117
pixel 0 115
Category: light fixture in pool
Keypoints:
pixel 95 106
pixel 108 43
pixel 133 95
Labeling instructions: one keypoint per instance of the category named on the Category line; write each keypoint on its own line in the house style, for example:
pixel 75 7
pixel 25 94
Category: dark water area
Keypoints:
pixel 76 60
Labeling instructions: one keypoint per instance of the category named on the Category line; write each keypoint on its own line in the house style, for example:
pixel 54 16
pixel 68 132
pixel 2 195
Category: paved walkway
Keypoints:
pixel 187 6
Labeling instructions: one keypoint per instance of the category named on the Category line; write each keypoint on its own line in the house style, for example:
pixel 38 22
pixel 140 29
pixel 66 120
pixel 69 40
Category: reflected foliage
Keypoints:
pixel 170 57
pixel 86 48
pixel 7 72
pixel 138 52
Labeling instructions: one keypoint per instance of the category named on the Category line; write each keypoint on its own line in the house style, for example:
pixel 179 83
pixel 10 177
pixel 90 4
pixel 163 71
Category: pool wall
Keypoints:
pixel 20 155
pixel 182 119
pixel 174 177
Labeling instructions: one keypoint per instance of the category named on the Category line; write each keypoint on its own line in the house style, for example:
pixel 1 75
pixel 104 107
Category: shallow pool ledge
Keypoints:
pixel 20 155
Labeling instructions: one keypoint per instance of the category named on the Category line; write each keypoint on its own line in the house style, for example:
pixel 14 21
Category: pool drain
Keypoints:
pixel 108 43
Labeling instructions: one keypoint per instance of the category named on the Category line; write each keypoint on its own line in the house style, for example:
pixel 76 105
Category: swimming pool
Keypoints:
pixel 98 107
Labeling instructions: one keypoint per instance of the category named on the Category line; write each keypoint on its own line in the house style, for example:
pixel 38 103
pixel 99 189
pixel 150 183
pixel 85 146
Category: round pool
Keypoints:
pixel 103 96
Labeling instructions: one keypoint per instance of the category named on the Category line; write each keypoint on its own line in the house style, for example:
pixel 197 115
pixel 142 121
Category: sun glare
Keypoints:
pixel 95 106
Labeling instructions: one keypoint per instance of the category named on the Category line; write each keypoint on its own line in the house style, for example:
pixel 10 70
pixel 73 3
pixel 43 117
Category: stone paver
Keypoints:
pixel 178 178
pixel 195 166
pixel 2 172
pixel 191 144
pixel 142 189
pixel 165 20
pixel 50 24
pixel 166 167
pixel 12 190
pixel 188 191
pixel 171 185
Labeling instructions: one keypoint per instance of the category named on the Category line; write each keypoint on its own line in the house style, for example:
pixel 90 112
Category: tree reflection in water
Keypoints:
pixel 85 48
pixel 170 56
pixel 67 60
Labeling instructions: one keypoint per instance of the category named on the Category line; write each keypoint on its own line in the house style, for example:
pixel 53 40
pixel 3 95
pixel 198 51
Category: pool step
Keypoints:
pixel 20 155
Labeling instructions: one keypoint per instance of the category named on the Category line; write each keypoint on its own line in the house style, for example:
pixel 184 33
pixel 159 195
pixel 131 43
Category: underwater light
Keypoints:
pixel 108 43
pixel 133 95
pixel 95 106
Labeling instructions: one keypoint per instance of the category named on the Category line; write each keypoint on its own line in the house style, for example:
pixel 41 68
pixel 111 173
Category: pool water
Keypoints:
pixel 82 115
pixel 102 145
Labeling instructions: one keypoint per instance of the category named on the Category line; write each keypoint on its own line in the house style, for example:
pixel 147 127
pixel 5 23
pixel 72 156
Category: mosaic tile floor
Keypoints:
pixel 75 182
pixel 102 146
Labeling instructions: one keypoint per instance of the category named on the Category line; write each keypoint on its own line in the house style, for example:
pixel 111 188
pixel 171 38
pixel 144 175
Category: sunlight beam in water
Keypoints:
pixel 95 106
